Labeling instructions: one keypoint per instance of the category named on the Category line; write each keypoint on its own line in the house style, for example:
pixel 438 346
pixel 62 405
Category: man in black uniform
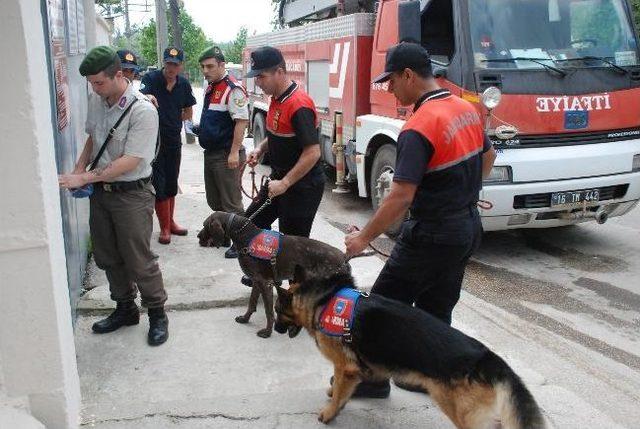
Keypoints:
pixel 172 93
pixel 129 64
pixel 442 156
pixel 297 180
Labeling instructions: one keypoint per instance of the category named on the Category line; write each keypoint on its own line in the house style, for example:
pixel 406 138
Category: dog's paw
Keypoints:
pixel 264 333
pixel 243 319
pixel 327 414
pixel 330 392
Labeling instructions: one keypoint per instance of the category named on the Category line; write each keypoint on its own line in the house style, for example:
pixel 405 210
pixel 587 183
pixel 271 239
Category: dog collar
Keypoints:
pixel 336 318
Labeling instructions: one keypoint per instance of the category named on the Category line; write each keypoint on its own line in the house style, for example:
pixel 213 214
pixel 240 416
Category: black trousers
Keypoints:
pixel 166 167
pixel 427 264
pixel 295 209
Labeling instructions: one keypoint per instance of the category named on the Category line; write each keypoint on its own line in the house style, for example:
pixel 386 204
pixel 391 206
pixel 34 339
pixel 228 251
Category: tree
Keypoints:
pixel 109 7
pixel 194 42
pixel 636 12
pixel 233 50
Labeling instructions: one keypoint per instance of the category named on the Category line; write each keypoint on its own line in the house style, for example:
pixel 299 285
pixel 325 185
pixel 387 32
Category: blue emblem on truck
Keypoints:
pixel 576 119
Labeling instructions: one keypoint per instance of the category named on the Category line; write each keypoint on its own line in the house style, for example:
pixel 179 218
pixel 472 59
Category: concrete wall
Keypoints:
pixel 103 32
pixel 37 352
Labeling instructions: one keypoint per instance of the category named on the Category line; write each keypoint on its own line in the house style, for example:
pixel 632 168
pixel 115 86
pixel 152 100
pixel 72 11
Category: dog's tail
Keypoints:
pixel 515 404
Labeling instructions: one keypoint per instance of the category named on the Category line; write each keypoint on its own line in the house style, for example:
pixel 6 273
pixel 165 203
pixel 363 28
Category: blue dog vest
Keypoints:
pixel 266 245
pixel 337 316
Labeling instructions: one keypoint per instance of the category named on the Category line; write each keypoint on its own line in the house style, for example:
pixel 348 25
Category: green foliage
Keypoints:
pixel 636 12
pixel 233 50
pixel 590 21
pixel 148 43
pixel 194 42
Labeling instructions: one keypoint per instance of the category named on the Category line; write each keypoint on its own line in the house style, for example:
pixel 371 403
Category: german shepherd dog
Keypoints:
pixel 473 386
pixel 317 258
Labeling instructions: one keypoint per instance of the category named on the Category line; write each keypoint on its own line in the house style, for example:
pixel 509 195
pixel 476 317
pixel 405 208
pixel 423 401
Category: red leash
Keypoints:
pixel 254 188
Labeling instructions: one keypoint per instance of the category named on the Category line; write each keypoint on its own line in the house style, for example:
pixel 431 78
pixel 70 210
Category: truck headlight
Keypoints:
pixel 636 163
pixel 499 175
pixel 491 97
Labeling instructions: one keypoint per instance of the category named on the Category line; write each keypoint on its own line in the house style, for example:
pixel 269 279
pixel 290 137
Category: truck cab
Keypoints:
pixel 558 83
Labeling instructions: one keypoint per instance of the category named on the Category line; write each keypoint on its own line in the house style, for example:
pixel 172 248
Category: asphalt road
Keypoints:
pixel 571 297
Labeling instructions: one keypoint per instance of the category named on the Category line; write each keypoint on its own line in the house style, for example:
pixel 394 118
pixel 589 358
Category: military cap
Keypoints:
pixel 173 55
pixel 128 59
pixel 402 56
pixel 264 58
pixel 211 52
pixel 98 59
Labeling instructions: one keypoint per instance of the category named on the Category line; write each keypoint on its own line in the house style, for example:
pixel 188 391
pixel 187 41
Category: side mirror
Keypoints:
pixel 409 21
pixel 439 71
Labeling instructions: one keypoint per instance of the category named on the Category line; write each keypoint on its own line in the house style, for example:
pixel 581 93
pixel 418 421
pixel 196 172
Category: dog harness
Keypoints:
pixel 336 318
pixel 266 245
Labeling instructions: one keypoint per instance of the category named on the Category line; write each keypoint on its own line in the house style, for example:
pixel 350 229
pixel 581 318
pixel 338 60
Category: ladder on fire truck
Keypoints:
pixel 293 13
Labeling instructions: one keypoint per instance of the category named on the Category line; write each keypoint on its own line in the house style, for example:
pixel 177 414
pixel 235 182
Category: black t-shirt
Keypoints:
pixel 170 103
pixel 291 126
pixel 441 192
pixel 413 153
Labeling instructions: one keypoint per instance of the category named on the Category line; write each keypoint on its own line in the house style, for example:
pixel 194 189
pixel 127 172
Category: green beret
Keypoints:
pixel 211 52
pixel 98 59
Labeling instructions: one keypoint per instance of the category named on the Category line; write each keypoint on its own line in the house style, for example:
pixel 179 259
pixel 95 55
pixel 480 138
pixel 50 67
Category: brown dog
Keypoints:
pixel 317 259
pixel 378 338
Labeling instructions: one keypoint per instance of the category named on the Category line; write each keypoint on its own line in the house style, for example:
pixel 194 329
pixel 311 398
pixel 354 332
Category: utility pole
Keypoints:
pixel 162 37
pixel 175 24
pixel 127 24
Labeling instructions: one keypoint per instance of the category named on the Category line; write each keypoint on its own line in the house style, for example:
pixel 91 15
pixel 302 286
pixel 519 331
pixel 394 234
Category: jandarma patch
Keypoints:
pixel 339 312
pixel 265 245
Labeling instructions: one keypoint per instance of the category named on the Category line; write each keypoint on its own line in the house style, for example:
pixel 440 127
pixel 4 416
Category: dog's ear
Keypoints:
pixel 214 228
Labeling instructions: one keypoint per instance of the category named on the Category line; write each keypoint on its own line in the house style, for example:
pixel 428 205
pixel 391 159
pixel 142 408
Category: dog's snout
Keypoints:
pixel 280 328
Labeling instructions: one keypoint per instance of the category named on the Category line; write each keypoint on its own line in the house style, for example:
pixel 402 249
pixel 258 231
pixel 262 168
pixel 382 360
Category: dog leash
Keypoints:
pixel 254 188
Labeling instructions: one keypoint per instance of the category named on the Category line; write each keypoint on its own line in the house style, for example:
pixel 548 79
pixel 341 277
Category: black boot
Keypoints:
pixel 231 253
pixel 158 326
pixel 125 314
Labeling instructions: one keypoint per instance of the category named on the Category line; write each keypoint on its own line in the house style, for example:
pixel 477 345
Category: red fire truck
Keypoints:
pixel 558 82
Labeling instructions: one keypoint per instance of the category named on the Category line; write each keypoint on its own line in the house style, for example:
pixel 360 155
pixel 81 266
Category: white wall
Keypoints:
pixel 37 351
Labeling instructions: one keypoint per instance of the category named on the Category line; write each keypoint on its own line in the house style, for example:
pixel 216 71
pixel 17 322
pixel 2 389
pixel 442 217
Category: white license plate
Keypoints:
pixel 572 198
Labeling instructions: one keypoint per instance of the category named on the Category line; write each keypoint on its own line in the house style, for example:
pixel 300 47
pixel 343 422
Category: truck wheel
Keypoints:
pixel 381 179
pixel 259 133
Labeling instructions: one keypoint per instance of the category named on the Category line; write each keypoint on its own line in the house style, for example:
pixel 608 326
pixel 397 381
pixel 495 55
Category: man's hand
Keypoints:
pixel 355 243
pixel 72 181
pixel 152 99
pixel 278 187
pixel 234 160
pixel 254 157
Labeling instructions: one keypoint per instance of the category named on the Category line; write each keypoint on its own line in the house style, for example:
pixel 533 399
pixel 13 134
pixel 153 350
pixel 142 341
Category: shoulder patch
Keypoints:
pixel 240 102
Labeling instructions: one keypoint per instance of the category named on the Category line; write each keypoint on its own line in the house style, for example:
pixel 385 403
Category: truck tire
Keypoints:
pixel 381 178
pixel 259 133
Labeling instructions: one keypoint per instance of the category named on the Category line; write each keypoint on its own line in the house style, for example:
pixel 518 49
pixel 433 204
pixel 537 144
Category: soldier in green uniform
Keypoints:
pixel 122 203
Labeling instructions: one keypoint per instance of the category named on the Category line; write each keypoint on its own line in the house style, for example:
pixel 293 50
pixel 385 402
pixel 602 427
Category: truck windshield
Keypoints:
pixel 566 32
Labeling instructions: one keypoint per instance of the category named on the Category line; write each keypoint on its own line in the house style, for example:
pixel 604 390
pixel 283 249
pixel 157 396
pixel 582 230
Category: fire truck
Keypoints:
pixel 556 81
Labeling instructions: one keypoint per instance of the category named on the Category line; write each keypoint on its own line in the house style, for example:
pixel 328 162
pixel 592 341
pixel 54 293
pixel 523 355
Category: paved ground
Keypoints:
pixel 561 306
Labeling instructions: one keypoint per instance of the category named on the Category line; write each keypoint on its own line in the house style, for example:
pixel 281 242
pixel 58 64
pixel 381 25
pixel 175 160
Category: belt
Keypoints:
pixel 123 186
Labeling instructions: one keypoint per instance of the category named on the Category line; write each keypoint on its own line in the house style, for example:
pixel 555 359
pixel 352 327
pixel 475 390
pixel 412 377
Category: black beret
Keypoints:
pixel 212 52
pixel 98 59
